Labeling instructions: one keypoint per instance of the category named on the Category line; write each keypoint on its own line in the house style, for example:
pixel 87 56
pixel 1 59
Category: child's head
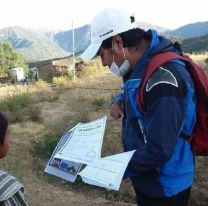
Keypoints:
pixel 3 128
pixel 4 136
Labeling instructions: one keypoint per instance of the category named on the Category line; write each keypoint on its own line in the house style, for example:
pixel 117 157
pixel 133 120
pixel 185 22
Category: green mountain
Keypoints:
pixel 34 46
pixel 197 44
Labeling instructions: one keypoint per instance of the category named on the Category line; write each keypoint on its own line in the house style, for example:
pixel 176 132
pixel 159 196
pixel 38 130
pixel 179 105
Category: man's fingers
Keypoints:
pixel 116 111
pixel 115 115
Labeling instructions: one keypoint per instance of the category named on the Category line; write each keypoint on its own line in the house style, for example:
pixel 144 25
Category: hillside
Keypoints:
pixel 198 44
pixel 82 36
pixel 191 30
pixel 43 45
pixel 81 40
pixel 33 45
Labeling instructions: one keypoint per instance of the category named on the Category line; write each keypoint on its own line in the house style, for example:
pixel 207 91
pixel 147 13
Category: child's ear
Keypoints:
pixel 4 148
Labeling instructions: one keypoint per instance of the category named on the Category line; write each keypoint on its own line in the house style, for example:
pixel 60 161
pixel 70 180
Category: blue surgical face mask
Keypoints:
pixel 123 69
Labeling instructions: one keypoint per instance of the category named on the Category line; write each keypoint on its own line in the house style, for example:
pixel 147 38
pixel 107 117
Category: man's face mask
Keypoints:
pixel 123 69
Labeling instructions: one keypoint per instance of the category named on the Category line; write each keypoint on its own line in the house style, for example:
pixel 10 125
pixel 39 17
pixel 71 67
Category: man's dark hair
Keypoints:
pixel 130 38
pixel 3 127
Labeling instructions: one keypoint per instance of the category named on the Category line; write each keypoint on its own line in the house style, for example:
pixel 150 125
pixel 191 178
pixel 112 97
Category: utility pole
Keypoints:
pixel 73 51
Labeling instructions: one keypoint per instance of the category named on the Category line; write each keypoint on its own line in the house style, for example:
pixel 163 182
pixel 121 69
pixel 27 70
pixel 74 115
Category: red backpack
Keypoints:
pixel 199 139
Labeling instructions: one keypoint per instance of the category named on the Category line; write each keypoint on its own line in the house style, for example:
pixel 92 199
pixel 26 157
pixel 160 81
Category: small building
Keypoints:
pixel 53 68
pixel 80 66
pixel 17 74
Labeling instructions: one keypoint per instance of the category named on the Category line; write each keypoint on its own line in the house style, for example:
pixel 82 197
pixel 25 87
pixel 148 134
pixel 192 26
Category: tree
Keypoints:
pixel 10 59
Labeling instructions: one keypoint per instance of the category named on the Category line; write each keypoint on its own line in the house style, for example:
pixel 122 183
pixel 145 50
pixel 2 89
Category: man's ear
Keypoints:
pixel 117 43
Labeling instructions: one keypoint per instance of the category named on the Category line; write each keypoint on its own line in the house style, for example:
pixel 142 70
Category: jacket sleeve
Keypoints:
pixel 119 97
pixel 165 104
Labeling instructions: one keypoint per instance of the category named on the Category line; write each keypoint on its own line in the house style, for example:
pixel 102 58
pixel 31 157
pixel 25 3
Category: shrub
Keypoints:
pixel 34 113
pixel 20 108
pixel 98 103
pixel 15 103
pixel 17 116
pixel 61 81
pixel 50 98
pixel 82 114
pixel 43 146
pixel 92 67
pixel 15 107
pixel 81 110
pixel 70 74
pixel 41 87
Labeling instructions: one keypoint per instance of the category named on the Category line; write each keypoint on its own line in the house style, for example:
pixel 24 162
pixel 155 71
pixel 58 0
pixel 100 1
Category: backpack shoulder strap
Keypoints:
pixel 154 64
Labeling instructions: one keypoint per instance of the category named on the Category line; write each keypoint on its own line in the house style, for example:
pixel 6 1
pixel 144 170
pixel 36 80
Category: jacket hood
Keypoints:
pixel 159 44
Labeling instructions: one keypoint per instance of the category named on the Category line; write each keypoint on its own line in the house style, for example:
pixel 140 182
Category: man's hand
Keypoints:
pixel 117 110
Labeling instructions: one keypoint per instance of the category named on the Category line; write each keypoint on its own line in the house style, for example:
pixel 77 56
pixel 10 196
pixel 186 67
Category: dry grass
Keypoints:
pixel 92 67
pixel 82 100
pixel 201 59
pixel 72 105
pixel 20 89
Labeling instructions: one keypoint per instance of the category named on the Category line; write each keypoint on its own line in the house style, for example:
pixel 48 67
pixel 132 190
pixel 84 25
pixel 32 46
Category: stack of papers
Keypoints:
pixel 82 145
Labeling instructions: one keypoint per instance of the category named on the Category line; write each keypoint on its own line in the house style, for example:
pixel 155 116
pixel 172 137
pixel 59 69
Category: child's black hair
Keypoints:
pixel 3 127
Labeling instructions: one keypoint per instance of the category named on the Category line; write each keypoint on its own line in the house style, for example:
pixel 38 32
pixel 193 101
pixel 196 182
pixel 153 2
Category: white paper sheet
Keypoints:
pixel 85 143
pixel 107 172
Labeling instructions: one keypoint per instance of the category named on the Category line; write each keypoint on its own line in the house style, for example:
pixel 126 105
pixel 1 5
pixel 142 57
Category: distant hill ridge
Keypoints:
pixel 191 30
pixel 39 46
pixel 82 39
pixel 31 44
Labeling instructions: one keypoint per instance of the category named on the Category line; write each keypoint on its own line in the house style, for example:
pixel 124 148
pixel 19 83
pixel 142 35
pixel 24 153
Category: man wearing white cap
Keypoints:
pixel 162 168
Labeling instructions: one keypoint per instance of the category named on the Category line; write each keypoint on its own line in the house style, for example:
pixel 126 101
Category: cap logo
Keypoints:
pixel 102 35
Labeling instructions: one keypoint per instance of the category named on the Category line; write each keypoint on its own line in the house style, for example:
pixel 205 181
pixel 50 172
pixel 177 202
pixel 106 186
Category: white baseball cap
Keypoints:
pixel 106 24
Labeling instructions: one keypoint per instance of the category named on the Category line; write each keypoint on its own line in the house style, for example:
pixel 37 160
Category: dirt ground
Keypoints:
pixel 20 162
pixel 41 191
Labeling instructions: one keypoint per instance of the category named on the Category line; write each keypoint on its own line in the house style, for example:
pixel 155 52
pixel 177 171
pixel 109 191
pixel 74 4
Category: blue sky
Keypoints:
pixel 53 14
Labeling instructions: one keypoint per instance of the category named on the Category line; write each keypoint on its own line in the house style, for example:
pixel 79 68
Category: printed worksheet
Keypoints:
pixel 85 143
pixel 82 144
pixel 65 169
pixel 107 172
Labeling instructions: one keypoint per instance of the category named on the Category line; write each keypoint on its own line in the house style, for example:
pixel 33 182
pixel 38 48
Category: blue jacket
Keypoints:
pixel 163 163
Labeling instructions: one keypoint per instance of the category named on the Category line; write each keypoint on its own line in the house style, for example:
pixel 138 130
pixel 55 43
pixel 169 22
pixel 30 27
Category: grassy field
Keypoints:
pixel 40 113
